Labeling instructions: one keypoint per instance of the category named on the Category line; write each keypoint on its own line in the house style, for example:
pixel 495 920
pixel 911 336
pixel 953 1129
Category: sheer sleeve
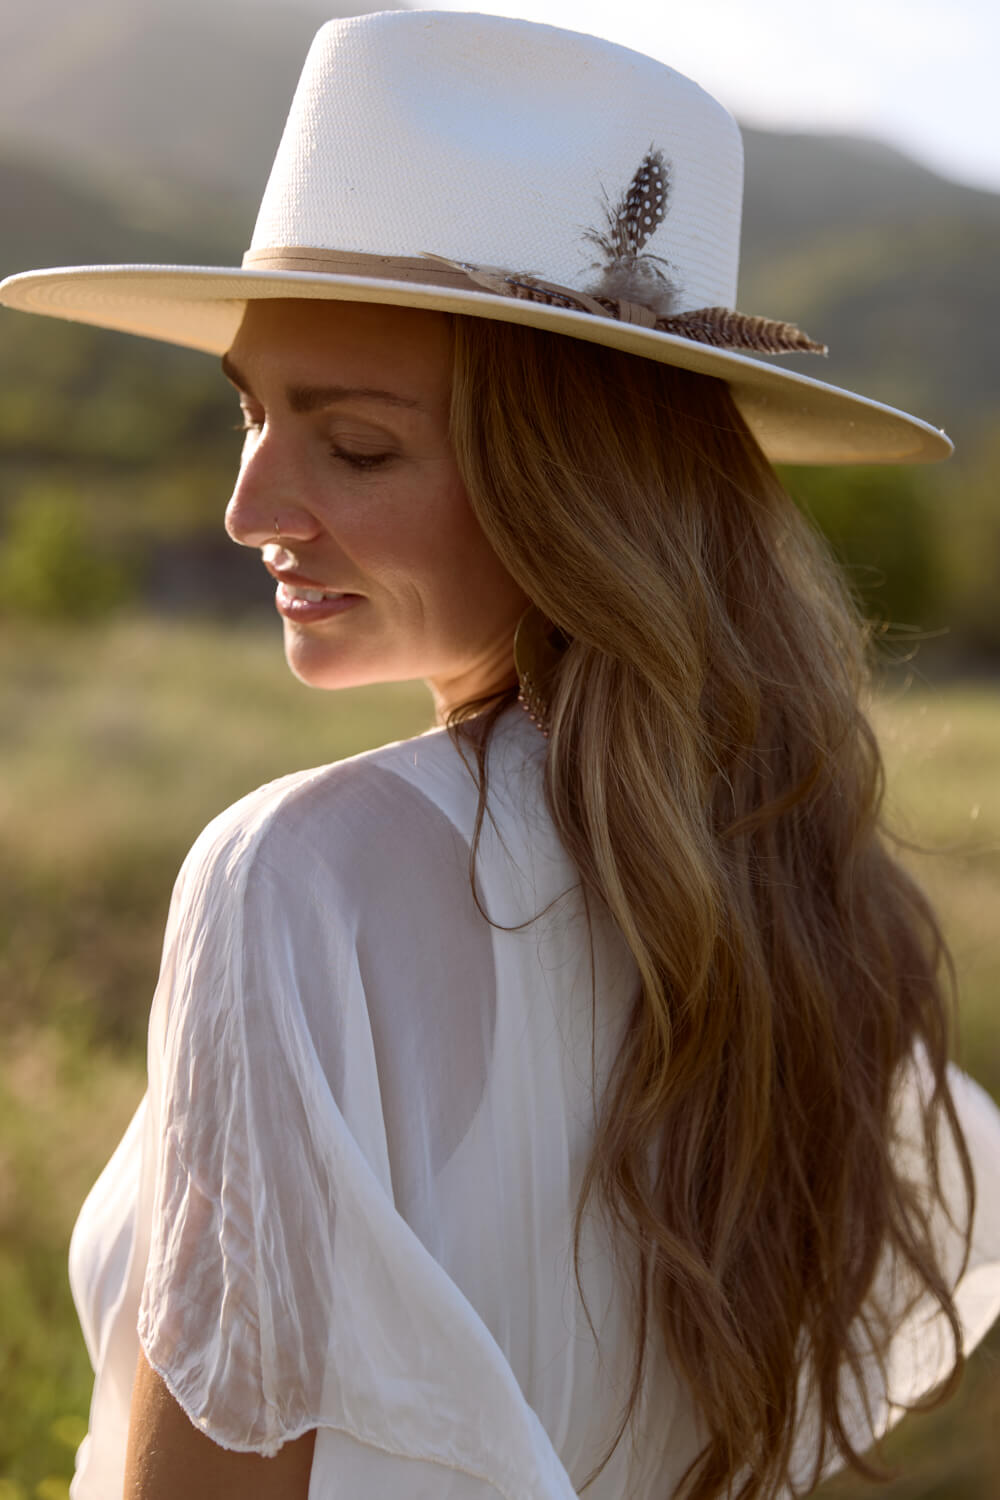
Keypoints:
pixel 907 1346
pixel 923 1347
pixel 283 1291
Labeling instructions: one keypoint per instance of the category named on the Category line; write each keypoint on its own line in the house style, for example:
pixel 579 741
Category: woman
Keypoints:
pixel 559 1100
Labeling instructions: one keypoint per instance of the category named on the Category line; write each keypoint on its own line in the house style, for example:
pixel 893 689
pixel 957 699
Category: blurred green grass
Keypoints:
pixel 118 742
pixel 942 754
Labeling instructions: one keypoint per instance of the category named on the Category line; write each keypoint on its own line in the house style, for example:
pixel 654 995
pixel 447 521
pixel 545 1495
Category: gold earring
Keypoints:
pixel 538 647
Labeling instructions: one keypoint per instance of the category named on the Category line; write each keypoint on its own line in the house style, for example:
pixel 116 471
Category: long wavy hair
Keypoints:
pixel 711 772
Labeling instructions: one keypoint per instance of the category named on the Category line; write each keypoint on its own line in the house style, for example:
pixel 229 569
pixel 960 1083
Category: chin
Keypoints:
pixel 328 667
pixel 317 671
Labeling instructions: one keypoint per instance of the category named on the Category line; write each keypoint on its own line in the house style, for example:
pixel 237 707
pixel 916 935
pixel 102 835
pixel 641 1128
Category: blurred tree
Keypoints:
pixel 970 524
pixel 882 524
pixel 50 566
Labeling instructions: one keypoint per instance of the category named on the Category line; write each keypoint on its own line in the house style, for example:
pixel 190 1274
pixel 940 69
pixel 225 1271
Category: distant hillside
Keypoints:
pixel 891 265
pixel 190 90
pixel 61 219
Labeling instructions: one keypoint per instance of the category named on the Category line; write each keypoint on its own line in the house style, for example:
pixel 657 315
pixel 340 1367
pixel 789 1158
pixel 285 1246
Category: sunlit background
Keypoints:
pixel 142 685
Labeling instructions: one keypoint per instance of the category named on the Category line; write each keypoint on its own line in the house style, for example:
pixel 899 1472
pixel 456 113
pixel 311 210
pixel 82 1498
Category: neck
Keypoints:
pixel 470 687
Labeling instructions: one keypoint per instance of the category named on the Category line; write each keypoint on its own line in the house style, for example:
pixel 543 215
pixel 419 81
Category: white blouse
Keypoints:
pixel 346 1201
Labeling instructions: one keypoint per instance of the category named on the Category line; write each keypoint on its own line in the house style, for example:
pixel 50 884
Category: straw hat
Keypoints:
pixel 505 169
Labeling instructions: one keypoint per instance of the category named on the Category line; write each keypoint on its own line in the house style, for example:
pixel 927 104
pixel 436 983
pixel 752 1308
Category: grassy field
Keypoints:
pixel 116 746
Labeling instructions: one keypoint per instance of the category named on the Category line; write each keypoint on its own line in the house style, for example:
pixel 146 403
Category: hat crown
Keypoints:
pixel 504 143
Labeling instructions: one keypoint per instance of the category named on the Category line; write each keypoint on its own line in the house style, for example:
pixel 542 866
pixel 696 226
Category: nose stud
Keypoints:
pixel 277 528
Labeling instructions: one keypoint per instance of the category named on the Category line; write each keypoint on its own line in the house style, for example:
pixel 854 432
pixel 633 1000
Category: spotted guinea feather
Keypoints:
pixel 636 216
pixel 644 204
pixel 629 272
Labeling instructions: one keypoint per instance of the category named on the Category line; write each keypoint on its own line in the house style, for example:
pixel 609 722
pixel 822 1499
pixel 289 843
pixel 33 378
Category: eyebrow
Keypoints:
pixel 305 398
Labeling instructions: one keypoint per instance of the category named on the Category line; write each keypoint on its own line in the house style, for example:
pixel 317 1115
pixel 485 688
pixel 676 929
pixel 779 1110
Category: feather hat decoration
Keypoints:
pixel 561 181
pixel 634 285
pixel 628 274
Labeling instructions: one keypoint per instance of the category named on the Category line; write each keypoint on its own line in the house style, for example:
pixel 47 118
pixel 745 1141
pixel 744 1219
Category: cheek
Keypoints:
pixel 425 533
pixel 461 560
pixel 423 545
pixel 475 594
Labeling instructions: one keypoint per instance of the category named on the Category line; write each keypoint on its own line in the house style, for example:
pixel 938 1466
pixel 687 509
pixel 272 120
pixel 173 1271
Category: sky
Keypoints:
pixel 922 75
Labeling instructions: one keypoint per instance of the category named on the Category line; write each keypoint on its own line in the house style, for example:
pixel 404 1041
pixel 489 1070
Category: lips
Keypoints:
pixel 280 563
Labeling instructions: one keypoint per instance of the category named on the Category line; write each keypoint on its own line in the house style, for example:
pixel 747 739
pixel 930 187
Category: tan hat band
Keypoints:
pixel 719 326
pixel 437 270
pixel 354 263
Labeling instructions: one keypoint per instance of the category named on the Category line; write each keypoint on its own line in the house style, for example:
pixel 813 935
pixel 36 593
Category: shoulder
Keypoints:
pixel 363 835
pixel 283 879
pixel 376 804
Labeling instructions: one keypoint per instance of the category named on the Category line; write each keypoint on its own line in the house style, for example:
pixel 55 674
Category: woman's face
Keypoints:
pixel 349 487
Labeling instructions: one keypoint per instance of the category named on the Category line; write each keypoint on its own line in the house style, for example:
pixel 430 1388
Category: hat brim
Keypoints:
pixel 795 419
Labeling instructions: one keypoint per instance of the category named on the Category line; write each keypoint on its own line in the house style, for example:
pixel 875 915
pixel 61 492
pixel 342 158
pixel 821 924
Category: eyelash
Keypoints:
pixel 363 462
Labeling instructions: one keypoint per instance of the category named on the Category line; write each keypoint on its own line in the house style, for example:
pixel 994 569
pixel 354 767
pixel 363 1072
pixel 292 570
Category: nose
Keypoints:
pixel 265 501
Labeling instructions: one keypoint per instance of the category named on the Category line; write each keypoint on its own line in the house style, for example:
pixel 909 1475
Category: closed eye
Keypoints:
pixel 360 461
